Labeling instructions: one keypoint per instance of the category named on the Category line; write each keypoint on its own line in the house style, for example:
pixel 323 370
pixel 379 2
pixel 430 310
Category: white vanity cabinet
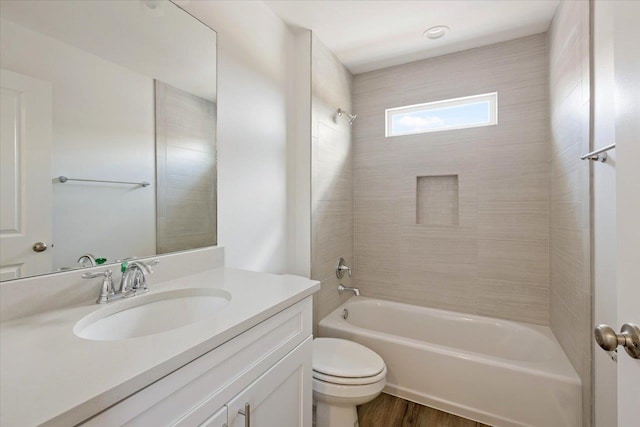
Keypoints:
pixel 219 419
pixel 267 367
pixel 279 397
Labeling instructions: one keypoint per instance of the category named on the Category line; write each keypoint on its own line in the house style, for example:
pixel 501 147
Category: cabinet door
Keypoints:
pixel 219 419
pixel 280 397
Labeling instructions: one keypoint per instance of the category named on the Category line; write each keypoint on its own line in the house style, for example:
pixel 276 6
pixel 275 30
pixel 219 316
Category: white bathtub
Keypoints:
pixel 494 371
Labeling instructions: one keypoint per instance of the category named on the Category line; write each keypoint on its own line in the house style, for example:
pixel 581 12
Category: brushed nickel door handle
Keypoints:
pixel 629 338
pixel 247 414
pixel 39 247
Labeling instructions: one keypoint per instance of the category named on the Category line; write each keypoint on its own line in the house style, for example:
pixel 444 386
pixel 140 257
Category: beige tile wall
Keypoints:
pixel 495 261
pixel 437 200
pixel 185 170
pixel 332 180
pixel 570 289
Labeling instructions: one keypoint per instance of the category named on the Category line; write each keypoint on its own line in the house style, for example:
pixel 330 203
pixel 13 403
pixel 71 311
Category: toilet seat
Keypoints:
pixel 349 380
pixel 346 393
pixel 345 361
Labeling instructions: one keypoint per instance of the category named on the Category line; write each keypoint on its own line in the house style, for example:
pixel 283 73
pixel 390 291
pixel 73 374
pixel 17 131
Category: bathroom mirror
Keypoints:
pixel 108 143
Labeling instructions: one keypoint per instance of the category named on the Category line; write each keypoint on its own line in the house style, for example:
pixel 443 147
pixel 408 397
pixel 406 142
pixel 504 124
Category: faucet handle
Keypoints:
pixel 150 263
pixel 107 290
pixel 341 268
pixel 93 275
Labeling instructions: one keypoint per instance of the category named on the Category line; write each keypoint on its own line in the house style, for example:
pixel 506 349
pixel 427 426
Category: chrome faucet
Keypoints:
pixel 87 257
pixel 342 288
pixel 134 277
pixel 133 281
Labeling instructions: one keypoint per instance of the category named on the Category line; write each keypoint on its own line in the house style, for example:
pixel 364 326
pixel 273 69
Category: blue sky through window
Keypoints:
pixel 476 113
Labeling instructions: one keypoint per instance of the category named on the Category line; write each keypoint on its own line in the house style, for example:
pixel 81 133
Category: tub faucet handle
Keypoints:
pixel 341 268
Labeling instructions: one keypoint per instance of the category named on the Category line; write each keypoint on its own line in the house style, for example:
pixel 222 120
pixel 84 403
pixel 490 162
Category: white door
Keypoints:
pixel 605 269
pixel 280 397
pixel 25 175
pixel 626 53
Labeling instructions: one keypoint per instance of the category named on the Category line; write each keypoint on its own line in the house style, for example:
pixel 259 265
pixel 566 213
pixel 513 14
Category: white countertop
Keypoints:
pixel 50 376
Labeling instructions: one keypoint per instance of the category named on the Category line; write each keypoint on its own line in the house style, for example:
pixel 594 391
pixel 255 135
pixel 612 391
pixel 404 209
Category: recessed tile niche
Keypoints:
pixel 437 200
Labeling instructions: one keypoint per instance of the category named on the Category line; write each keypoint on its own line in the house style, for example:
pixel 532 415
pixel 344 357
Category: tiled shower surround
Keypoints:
pixel 481 245
pixel 570 286
pixel 437 200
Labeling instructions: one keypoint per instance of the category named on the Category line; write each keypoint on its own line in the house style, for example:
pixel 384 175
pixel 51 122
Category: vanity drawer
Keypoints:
pixel 191 394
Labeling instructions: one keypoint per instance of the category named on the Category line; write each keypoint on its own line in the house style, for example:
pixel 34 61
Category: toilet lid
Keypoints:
pixel 342 358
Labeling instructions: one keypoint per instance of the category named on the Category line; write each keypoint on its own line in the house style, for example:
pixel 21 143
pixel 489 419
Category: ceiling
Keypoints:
pixel 369 35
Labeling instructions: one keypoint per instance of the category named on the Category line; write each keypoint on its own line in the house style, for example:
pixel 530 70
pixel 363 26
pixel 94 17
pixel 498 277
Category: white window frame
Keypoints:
pixel 492 97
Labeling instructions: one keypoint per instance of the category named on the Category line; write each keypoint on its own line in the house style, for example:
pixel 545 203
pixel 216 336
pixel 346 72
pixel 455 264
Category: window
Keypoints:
pixel 458 113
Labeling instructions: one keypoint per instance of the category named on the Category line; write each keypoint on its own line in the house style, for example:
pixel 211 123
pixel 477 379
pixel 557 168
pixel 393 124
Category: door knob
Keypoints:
pixel 629 338
pixel 39 247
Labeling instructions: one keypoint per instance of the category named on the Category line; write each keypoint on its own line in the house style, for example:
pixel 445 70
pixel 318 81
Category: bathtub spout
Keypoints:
pixel 342 288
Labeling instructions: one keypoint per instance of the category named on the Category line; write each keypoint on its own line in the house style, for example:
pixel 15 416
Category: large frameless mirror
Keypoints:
pixel 108 133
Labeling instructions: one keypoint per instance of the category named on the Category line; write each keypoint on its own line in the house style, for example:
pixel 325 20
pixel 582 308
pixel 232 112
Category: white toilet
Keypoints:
pixel 345 374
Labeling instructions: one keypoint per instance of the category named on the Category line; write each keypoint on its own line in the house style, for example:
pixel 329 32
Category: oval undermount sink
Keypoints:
pixel 151 314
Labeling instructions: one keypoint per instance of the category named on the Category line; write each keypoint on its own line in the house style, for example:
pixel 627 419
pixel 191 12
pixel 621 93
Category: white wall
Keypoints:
pixel 254 48
pixel 332 178
pixel 299 158
pixel 103 128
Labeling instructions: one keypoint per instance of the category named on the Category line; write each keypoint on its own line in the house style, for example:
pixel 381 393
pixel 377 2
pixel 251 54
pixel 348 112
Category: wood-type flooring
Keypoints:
pixel 391 411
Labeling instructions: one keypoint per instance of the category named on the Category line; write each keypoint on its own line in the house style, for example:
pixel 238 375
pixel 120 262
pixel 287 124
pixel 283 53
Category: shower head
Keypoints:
pixel 350 117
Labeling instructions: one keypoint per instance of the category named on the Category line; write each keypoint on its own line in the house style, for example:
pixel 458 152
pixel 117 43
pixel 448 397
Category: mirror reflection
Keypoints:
pixel 108 143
